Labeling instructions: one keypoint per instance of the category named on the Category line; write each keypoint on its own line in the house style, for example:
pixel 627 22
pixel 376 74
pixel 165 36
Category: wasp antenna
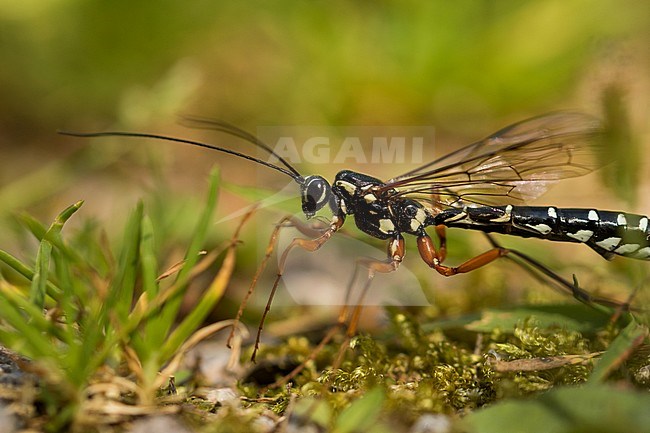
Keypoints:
pixel 228 128
pixel 291 173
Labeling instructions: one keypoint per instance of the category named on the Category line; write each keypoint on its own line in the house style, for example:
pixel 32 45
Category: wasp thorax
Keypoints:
pixel 316 193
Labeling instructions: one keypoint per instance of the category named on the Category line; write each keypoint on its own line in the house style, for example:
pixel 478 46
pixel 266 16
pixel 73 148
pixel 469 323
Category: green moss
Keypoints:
pixel 529 341
pixel 446 371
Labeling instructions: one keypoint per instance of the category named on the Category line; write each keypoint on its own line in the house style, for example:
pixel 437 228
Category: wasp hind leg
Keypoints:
pixel 434 257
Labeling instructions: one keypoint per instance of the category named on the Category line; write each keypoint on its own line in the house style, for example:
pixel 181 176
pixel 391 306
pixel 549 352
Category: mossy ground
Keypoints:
pixel 424 366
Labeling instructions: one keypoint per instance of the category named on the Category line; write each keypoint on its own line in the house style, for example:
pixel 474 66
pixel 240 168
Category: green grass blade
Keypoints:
pixel 41 274
pixel 121 291
pixel 92 347
pixel 209 299
pixel 44 255
pixel 63 217
pixel 576 317
pixel 26 271
pixel 71 291
pixel 170 310
pixel 52 233
pixel 618 351
pixel 598 408
pixel 284 201
pixel 361 414
pixel 623 151
pixel 34 331
pixel 153 333
pixel 148 259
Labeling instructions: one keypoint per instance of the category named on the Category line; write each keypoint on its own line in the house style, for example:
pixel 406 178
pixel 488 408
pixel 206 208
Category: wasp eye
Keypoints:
pixel 316 193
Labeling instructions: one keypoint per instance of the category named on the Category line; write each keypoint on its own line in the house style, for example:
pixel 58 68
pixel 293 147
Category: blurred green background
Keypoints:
pixel 467 68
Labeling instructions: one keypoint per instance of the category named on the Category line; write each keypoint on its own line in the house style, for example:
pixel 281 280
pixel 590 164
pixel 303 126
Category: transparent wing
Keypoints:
pixel 517 163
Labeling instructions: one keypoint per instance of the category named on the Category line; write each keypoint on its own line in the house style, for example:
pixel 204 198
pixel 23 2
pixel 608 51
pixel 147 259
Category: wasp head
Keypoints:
pixel 315 192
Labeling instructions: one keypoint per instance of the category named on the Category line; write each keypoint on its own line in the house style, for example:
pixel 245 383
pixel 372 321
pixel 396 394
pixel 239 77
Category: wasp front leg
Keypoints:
pixel 306 244
pixel 396 252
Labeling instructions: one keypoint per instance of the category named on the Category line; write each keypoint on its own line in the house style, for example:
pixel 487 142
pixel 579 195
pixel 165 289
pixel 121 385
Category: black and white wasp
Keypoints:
pixel 476 187
pixel 482 186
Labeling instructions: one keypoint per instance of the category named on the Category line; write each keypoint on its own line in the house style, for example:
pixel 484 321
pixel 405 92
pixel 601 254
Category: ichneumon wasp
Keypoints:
pixel 477 187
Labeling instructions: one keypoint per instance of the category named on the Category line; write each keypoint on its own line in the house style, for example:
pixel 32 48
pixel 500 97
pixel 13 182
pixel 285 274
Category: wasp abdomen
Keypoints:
pixel 608 233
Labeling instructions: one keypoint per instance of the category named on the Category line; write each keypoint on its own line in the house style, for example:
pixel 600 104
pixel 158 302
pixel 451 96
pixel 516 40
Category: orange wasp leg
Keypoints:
pixel 306 244
pixel 434 259
pixel 395 255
